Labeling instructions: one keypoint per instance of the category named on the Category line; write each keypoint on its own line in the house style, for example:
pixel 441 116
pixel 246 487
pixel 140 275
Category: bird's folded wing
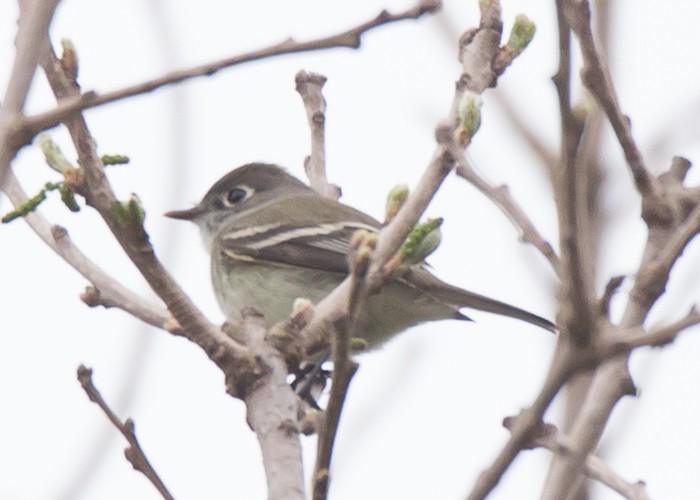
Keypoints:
pixel 324 246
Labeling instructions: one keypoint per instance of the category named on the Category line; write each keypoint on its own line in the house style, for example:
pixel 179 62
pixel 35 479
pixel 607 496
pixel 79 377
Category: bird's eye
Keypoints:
pixel 236 195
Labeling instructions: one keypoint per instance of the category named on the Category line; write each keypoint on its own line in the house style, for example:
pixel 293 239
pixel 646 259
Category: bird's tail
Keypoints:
pixel 463 298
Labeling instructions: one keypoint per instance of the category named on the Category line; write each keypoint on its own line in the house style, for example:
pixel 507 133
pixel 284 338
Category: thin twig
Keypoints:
pixel 134 453
pixel 500 196
pixel 110 291
pixel 547 157
pixel 349 39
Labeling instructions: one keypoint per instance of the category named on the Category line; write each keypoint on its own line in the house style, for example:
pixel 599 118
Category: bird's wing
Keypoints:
pixel 282 233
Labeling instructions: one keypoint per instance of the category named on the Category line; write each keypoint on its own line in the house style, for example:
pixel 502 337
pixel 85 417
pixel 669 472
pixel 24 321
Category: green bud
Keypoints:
pixel 583 110
pixel 69 58
pixel 136 211
pixel 358 344
pixel 522 33
pixel 129 213
pixel 53 155
pixel 24 208
pixel 108 160
pixel 421 242
pixel 469 116
pixel 68 197
pixel 32 203
pixel 397 197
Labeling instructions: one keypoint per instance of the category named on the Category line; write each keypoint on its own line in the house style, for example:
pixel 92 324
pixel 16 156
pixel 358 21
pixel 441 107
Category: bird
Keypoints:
pixel 273 239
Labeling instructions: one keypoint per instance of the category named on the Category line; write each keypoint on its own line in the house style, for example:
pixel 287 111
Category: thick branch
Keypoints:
pixel 272 414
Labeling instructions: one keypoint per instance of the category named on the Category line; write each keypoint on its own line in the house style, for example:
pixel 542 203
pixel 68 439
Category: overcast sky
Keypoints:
pixel 424 413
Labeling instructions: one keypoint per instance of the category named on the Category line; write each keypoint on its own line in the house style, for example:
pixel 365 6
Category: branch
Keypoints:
pixel 110 291
pixel 525 427
pixel 576 315
pixel 526 131
pixel 594 466
pixel 272 413
pixel 344 369
pixel 350 39
pixel 309 86
pixel 478 49
pixel 125 220
pixel 630 339
pixel 34 20
pixel 134 453
pixel 666 241
pixel 596 77
pixel 500 196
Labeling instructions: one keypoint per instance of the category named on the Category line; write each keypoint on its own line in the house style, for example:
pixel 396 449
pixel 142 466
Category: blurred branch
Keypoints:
pixel 134 453
pixel 576 306
pixel 500 196
pixel 596 77
pixel 594 467
pixel 527 425
pixel 349 39
pixel 589 162
pixel 35 17
pixel 630 339
pixel 672 214
pixel 546 156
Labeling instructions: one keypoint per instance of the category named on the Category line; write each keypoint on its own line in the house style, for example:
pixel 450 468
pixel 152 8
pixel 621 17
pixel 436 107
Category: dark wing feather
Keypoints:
pixel 322 244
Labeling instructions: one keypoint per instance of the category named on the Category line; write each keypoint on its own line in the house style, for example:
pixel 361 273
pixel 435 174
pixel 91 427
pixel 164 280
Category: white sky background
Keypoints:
pixel 424 413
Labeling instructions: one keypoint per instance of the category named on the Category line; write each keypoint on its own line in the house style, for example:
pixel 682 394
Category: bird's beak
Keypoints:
pixel 190 214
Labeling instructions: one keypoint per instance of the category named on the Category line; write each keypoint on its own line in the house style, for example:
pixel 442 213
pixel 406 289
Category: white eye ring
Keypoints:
pixel 236 195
